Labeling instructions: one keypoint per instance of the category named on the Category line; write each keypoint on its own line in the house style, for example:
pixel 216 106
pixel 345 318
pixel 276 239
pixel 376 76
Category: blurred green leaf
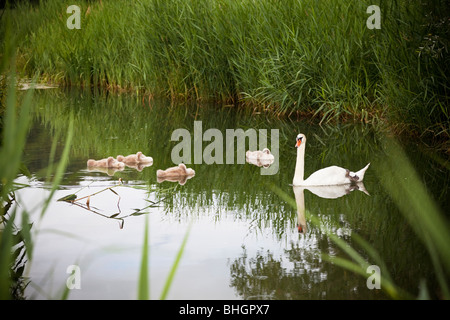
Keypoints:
pixel 68 198
pixel 143 284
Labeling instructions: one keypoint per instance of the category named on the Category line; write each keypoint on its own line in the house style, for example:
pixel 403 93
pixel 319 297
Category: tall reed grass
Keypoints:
pixel 292 56
pixel 16 236
pixel 16 233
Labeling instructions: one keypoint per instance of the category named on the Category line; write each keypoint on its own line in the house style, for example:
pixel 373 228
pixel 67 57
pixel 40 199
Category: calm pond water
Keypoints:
pixel 243 242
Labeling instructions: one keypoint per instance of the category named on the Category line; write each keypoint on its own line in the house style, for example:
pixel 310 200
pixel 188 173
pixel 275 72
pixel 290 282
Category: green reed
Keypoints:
pixel 14 125
pixel 283 56
pixel 143 289
pixel 17 234
pixel 16 238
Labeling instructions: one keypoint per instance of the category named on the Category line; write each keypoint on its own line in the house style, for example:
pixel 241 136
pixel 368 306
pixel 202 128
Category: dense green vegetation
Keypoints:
pixel 314 57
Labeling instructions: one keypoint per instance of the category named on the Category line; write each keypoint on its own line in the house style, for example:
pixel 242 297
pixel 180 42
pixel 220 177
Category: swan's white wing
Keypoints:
pixel 329 176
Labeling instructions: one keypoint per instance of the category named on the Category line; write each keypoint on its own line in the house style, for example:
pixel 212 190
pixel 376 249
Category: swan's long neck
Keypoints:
pixel 300 165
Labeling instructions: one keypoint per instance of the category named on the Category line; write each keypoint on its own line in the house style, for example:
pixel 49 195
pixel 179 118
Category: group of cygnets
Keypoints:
pixel 139 159
pixel 178 173
pixel 121 161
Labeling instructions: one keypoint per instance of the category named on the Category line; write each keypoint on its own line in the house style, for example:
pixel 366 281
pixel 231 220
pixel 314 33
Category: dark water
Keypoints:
pixel 243 242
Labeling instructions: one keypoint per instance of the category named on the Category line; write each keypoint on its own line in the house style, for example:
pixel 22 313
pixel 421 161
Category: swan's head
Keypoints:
pixel 300 139
pixel 266 151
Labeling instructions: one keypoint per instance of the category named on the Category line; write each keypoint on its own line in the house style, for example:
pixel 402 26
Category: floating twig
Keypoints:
pixel 73 197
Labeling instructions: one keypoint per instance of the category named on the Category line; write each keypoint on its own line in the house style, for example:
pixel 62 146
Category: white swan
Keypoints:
pixel 329 176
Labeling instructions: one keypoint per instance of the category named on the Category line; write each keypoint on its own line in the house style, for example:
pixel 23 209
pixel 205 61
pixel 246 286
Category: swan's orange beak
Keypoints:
pixel 299 142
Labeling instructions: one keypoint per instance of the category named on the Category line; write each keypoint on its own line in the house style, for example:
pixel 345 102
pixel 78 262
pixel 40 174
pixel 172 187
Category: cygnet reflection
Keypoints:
pixel 108 171
pixel 109 162
pixel 134 159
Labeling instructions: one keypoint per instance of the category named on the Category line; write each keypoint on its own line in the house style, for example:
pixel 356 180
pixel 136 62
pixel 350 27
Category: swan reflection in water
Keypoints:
pixel 326 192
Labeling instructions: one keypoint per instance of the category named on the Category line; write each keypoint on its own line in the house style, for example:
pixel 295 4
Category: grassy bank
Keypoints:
pixel 315 57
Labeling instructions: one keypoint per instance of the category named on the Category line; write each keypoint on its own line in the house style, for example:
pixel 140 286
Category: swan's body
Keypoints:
pixel 137 158
pixel 329 176
pixel 110 162
pixel 260 155
pixel 178 171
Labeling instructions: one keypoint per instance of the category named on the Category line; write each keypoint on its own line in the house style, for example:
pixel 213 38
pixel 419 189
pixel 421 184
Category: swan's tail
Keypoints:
pixel 360 173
